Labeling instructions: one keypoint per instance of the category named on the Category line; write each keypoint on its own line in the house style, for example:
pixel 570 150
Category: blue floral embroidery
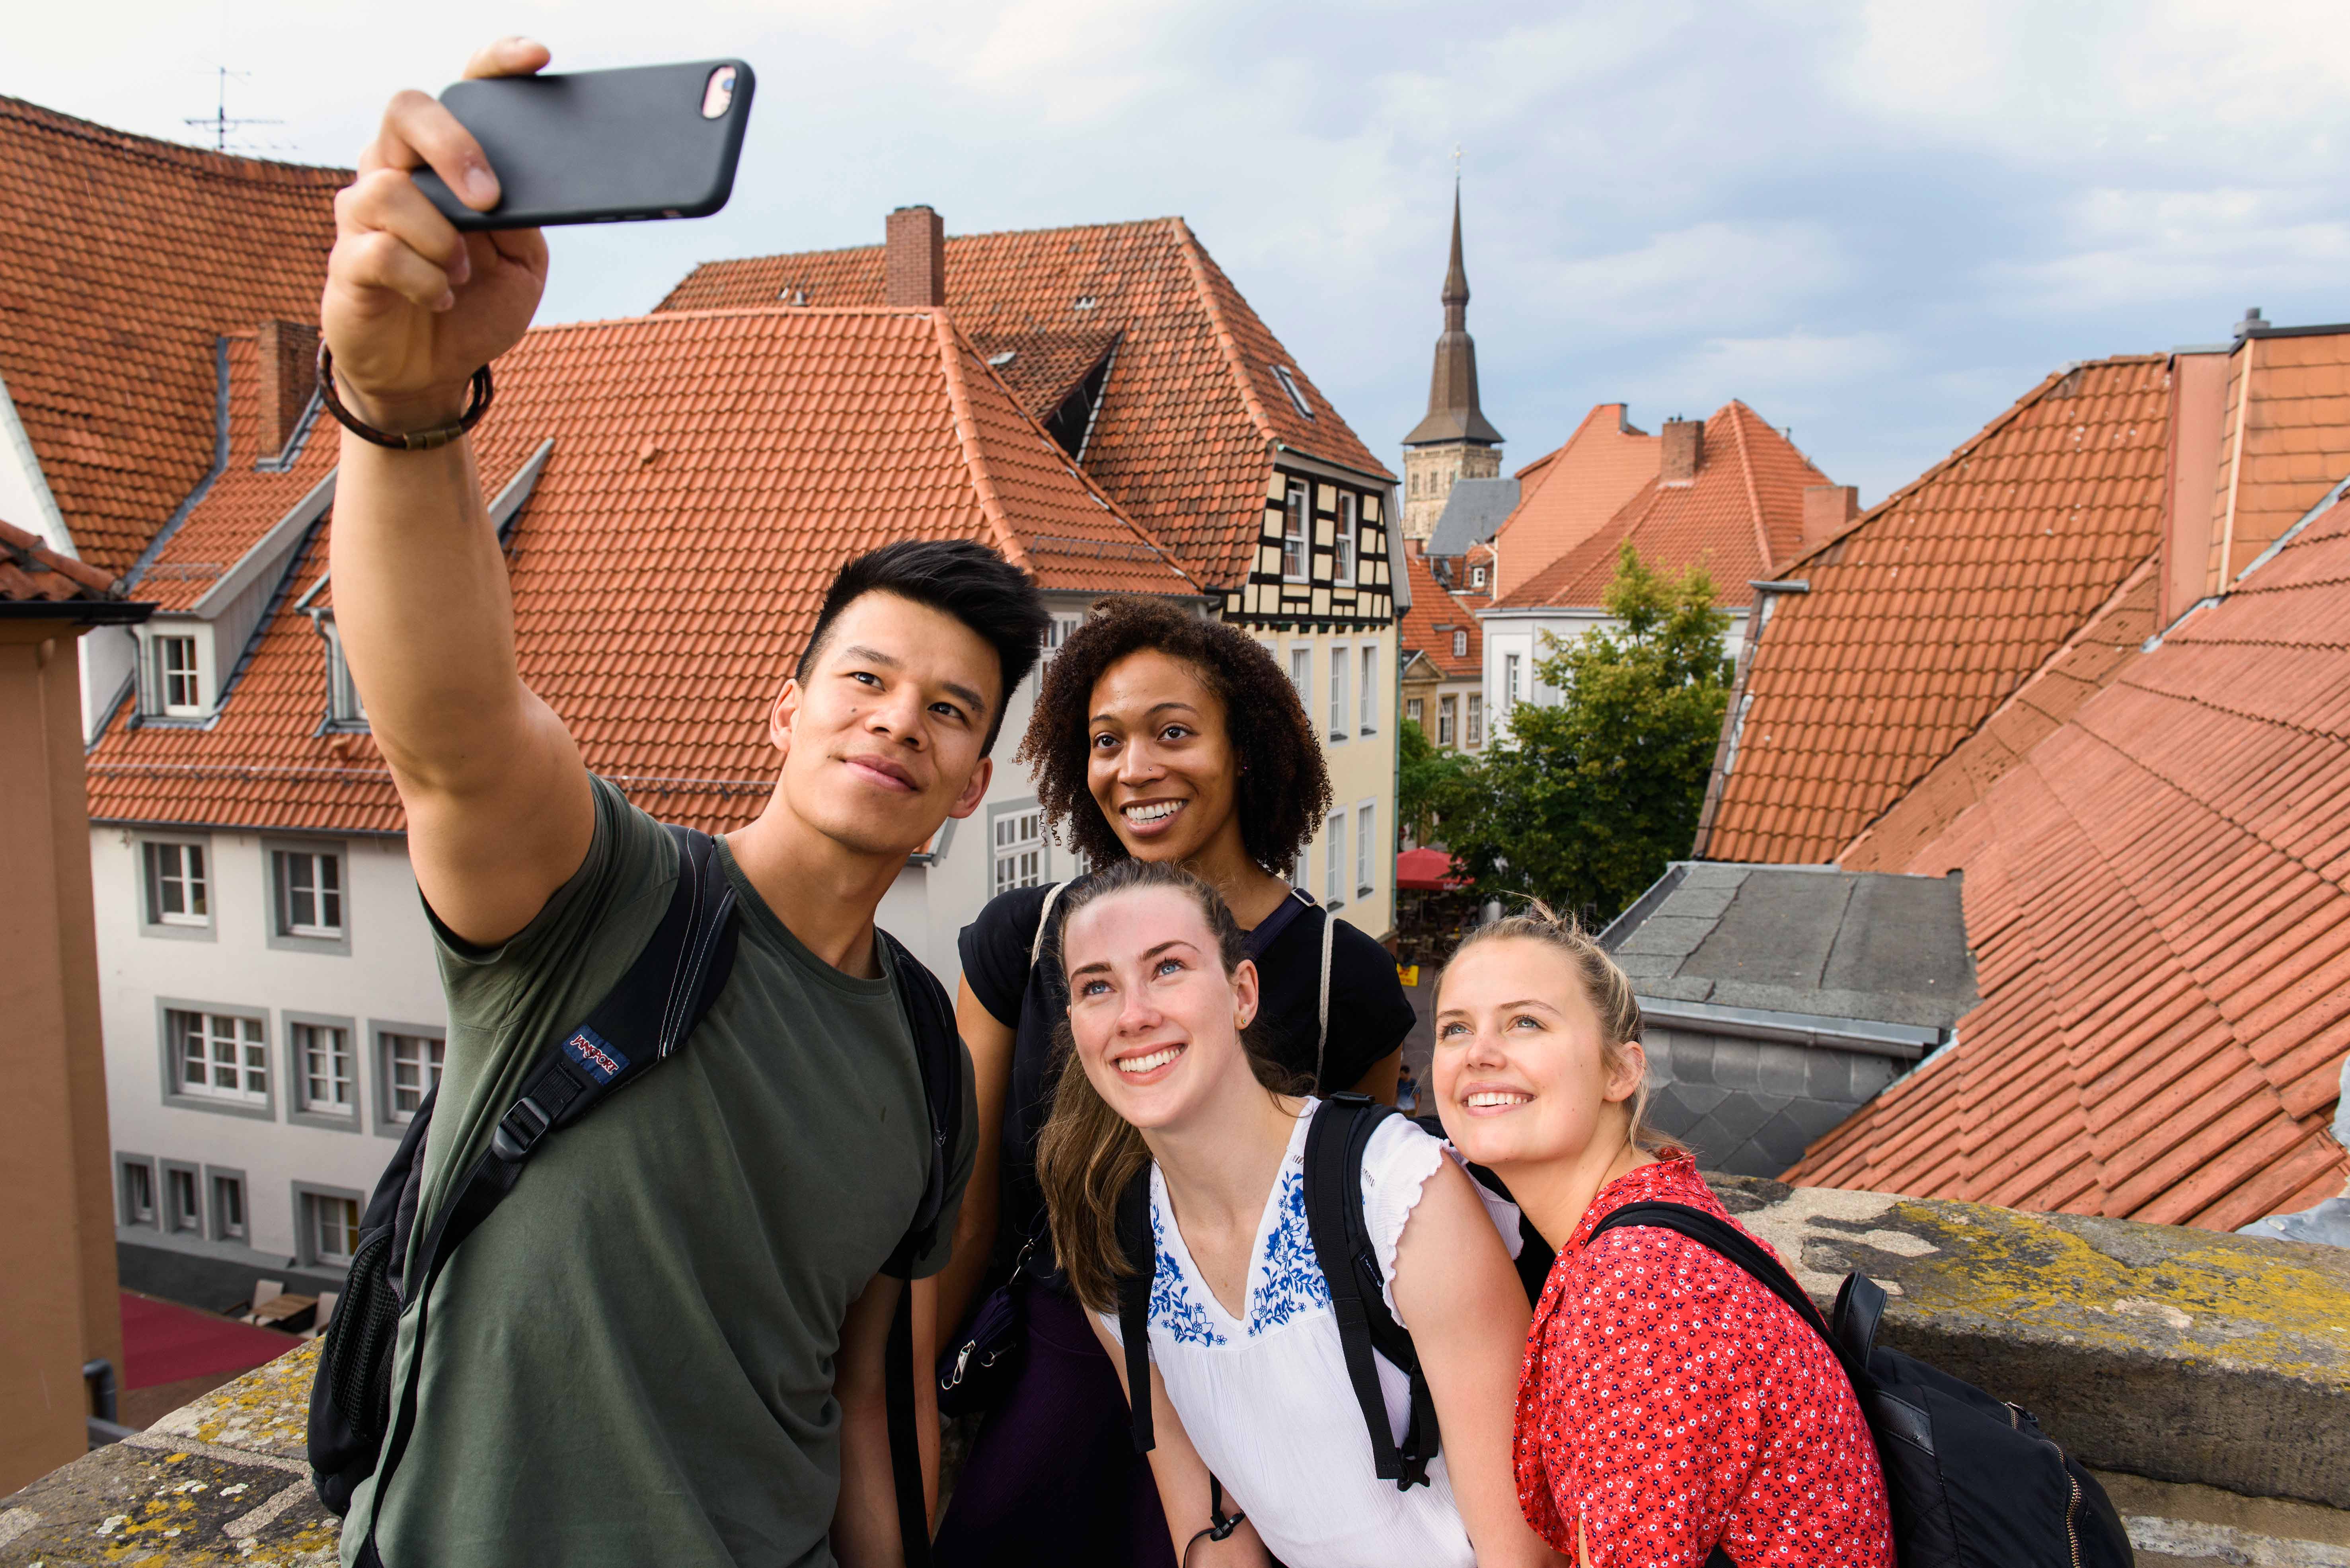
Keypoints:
pixel 1171 1306
pixel 1293 1282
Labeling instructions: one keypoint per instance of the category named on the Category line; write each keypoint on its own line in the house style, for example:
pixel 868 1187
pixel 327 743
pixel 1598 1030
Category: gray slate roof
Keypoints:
pixel 1814 940
pixel 1473 510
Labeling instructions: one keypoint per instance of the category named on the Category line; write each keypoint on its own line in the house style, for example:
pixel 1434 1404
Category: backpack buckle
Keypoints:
pixel 519 1130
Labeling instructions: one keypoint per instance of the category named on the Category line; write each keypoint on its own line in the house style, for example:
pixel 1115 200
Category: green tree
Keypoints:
pixel 1584 802
pixel 1431 785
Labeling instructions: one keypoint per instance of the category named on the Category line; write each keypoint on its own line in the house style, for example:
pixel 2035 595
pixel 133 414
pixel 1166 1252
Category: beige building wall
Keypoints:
pixel 1429 475
pixel 57 1302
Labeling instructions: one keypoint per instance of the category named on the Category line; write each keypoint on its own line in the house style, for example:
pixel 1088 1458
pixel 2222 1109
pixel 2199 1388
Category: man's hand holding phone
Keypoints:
pixel 414 307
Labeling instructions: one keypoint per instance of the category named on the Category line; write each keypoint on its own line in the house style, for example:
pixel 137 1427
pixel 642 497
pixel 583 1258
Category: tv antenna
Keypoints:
pixel 218 122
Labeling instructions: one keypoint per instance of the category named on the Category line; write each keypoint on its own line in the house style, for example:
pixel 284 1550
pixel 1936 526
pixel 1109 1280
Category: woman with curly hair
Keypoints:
pixel 1159 736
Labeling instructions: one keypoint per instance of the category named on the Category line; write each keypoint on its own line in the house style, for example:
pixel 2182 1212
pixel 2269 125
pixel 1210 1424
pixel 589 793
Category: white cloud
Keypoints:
pixel 1707 277
pixel 2124 248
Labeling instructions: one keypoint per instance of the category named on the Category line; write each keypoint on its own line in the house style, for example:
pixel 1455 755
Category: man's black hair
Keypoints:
pixel 957 578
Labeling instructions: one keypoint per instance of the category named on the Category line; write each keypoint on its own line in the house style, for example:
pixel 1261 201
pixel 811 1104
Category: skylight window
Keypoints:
pixel 1087 302
pixel 791 295
pixel 997 362
pixel 1289 384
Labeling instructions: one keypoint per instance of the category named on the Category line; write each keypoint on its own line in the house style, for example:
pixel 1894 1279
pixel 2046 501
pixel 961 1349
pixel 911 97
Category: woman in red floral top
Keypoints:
pixel 1670 1407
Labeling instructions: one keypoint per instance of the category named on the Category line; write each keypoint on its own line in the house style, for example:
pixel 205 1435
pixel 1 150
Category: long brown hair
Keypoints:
pixel 1087 1153
pixel 1606 986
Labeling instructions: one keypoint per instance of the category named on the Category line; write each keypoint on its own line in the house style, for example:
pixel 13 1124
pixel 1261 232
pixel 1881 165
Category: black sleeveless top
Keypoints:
pixel 1370 1017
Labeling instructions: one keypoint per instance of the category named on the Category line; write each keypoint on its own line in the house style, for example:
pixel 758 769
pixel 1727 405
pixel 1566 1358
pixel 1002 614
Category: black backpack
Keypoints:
pixel 355 1423
pixel 1972 1482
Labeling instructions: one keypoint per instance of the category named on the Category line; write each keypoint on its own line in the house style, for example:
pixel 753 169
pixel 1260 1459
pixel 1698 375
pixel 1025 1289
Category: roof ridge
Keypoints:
pixel 1189 246
pixel 974 457
pixel 1746 473
pixel 133 142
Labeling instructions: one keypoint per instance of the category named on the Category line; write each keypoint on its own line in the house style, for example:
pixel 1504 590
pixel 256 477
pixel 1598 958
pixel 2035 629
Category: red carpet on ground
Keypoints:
pixel 163 1342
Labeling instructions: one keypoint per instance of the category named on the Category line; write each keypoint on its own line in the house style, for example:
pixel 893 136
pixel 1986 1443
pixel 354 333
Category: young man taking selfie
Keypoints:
pixel 667 1344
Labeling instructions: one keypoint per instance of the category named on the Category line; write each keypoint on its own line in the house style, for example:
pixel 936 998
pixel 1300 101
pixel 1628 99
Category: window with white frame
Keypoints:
pixel 331 1227
pixel 310 892
pixel 1445 707
pixel 1333 860
pixel 1476 719
pixel 138 1183
pixel 1369 717
pixel 1511 665
pixel 182 1201
pixel 1062 626
pixel 344 708
pixel 1415 709
pixel 1296 520
pixel 1301 674
pixel 329 1081
pixel 179 684
pixel 228 1207
pixel 1460 643
pixel 1340 655
pixel 219 1056
pixel 1342 563
pixel 1476 577
pixel 1019 850
pixel 412 1066
pixel 178 893
pixel 1367 840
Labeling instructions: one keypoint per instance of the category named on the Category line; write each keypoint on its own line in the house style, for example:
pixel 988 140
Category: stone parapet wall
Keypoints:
pixel 2206 1377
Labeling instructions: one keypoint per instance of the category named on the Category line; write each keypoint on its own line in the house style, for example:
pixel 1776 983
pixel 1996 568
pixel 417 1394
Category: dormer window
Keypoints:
pixel 1460 645
pixel 1476 577
pixel 174 676
pixel 1288 380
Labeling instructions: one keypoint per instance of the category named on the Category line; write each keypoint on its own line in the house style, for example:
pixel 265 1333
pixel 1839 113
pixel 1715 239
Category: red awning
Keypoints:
pixel 163 1342
pixel 1428 871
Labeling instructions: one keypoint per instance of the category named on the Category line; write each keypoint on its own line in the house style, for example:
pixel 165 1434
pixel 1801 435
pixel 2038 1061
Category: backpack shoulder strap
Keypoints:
pixel 1321 1002
pixel 1335 1146
pixel 1735 1246
pixel 1134 1241
pixel 1044 922
pixel 938 1048
pixel 655 1006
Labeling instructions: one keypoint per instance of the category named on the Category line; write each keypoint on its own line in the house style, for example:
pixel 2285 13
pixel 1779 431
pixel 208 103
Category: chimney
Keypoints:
pixel 914 261
pixel 1827 509
pixel 288 352
pixel 1684 451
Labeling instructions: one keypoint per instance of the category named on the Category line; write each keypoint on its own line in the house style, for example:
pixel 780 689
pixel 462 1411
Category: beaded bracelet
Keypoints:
pixel 414 441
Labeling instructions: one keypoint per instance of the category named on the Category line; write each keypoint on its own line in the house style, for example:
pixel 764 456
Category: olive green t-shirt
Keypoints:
pixel 631 1360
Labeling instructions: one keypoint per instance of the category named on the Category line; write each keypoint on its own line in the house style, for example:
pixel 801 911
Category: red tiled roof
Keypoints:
pixel 1183 437
pixel 1931 609
pixel 2159 897
pixel 1569 494
pixel 122 261
pixel 711 472
pixel 240 506
pixel 1435 615
pixel 1743 510
pixel 30 570
pixel 2297 435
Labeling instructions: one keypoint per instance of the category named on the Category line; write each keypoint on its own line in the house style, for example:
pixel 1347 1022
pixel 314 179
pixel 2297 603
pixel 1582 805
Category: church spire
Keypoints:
pixel 1453 416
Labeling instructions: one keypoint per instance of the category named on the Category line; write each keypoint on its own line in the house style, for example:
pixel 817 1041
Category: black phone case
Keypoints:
pixel 599 147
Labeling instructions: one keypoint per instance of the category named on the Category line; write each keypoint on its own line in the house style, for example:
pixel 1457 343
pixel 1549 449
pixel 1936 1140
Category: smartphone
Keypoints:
pixel 602 147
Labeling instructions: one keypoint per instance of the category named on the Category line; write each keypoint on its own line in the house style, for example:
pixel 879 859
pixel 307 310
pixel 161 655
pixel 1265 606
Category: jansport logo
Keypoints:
pixel 596 1053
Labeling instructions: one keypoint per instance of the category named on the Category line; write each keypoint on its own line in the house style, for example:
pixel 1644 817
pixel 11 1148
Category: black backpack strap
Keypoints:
pixel 655 1006
pixel 1334 1147
pixel 1134 1240
pixel 1727 1240
pixel 938 1050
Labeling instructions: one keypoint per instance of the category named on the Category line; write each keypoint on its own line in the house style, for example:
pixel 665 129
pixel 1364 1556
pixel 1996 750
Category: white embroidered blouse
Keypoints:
pixel 1266 1398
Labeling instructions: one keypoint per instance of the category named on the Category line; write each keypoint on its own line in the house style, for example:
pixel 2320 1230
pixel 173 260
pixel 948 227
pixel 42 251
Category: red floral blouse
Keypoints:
pixel 1673 1402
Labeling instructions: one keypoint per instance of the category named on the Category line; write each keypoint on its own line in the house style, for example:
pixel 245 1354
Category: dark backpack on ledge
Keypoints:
pixel 1972 1482
pixel 356 1424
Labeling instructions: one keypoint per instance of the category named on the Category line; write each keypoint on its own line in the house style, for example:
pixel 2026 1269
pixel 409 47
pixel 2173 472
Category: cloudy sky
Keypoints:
pixel 1876 223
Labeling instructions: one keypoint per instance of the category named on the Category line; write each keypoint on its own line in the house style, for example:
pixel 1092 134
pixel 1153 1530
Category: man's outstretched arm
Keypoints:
pixel 499 814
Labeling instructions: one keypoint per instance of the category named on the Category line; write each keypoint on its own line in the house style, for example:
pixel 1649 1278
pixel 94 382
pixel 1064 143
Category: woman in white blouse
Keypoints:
pixel 1248 1381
